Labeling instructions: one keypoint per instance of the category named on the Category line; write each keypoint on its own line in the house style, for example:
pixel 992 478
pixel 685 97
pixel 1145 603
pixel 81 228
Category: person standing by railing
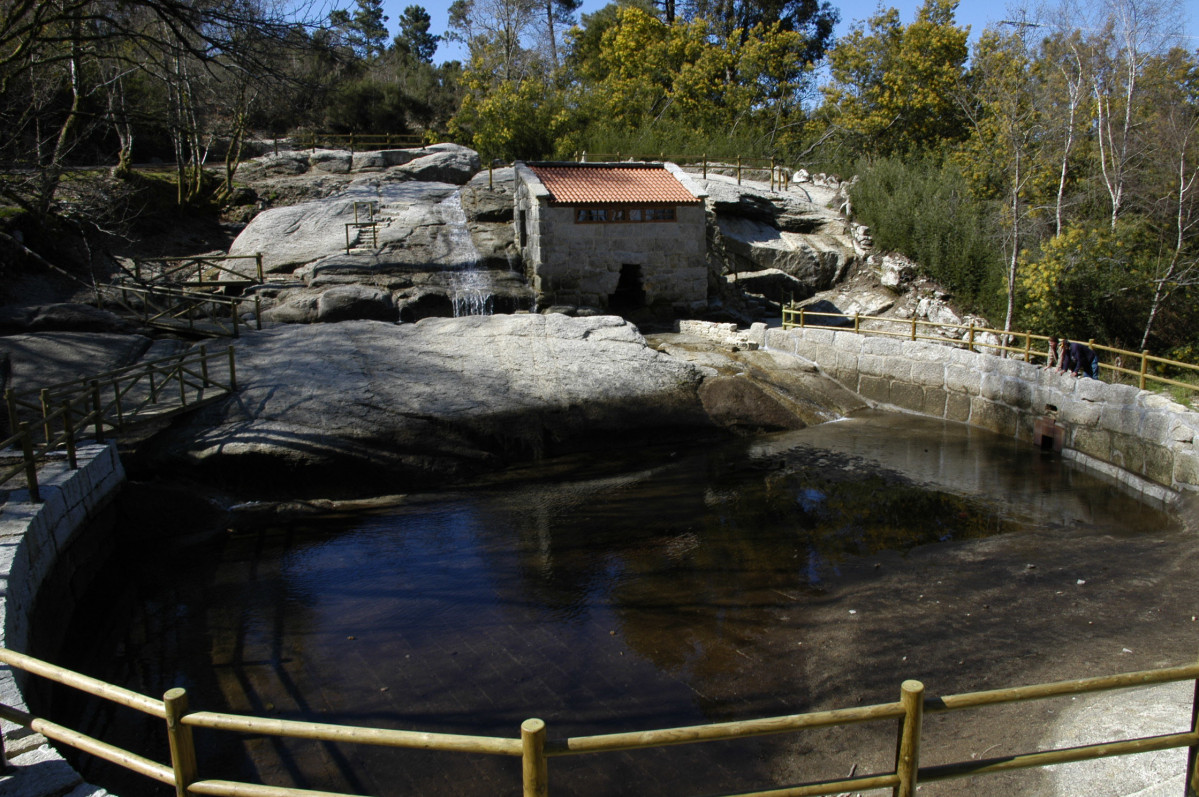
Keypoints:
pixel 1053 360
pixel 1079 359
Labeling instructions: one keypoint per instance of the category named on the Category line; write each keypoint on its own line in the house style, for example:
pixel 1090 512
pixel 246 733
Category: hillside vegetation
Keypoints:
pixel 1046 174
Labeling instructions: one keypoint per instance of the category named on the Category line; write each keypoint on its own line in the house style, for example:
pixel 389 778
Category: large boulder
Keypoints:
pixel 786 231
pixel 817 261
pixel 333 161
pixel 362 404
pixel 415 220
pixel 443 163
pixel 355 302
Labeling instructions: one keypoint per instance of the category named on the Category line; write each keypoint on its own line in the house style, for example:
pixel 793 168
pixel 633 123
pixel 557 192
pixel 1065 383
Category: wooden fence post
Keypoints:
pixel 1192 778
pixel 705 166
pixel 907 759
pixel 10 398
pixel 970 339
pixel 534 764
pixel 232 371
pixel 258 260
pixel 738 170
pixel 772 174
pixel 96 409
pixel 30 464
pixel 801 318
pixel 913 327
pixel 1027 347
pixel 44 395
pixel 183 748
pixel 857 326
pixel 116 398
pixel 182 382
pixel 236 329
pixel 68 431
pixel 1144 367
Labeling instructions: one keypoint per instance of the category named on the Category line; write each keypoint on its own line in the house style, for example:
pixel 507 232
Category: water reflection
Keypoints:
pixel 677 590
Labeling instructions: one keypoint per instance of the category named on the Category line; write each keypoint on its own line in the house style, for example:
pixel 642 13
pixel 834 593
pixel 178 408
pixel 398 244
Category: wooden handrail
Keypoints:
pixel 534 749
pixel 722 731
pixel 327 732
pixel 66 411
pixel 800 317
pixel 84 683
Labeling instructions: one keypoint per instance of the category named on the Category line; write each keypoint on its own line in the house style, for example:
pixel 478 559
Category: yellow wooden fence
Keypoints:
pixel 533 745
pixel 1118 363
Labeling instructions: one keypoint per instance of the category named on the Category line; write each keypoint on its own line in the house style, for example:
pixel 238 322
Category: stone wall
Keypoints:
pixel 1144 439
pixel 1140 436
pixel 32 539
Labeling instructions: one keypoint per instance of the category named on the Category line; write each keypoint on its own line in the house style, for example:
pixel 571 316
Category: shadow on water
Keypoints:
pixel 651 589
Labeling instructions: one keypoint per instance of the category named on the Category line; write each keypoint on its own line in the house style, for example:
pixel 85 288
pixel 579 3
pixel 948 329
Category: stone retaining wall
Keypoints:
pixel 1144 439
pixel 32 539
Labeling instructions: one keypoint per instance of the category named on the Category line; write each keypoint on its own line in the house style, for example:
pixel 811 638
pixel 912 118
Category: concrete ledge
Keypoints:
pixel 32 536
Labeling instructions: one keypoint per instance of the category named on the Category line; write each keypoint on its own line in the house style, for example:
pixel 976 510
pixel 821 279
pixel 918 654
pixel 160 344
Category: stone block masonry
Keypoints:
pixel 32 538
pixel 1143 439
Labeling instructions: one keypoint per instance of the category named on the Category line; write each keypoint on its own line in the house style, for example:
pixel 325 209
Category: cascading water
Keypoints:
pixel 470 287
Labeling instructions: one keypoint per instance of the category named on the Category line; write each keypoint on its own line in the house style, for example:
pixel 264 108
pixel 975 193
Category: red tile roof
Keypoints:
pixel 574 185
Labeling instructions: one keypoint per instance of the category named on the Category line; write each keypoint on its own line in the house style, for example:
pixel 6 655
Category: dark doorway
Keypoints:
pixel 630 293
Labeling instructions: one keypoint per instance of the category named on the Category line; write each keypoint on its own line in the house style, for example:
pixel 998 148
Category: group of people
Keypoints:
pixel 1072 357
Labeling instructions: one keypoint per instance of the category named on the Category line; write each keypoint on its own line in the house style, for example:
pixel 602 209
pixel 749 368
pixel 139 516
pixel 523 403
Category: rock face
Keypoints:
pixel 40 360
pixel 413 404
pixel 792 242
pixel 425 253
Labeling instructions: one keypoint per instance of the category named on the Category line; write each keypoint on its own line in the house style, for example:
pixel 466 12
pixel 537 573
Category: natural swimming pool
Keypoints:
pixel 648 588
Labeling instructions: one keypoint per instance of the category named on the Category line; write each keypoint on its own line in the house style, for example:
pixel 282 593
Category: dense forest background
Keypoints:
pixel 1046 175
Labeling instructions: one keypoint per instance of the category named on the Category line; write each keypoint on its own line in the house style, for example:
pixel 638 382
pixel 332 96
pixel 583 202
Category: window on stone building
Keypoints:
pixel 620 215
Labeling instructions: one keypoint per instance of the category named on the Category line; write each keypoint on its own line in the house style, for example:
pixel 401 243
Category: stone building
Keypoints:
pixel 616 236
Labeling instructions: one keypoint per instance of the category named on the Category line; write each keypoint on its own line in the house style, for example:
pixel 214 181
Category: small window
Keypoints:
pixel 636 214
pixel 591 215
pixel 659 214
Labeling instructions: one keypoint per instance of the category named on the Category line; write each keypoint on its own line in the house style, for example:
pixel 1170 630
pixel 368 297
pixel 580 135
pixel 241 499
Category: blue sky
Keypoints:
pixel 975 13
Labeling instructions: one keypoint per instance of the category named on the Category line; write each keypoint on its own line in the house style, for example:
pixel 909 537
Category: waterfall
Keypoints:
pixel 470 287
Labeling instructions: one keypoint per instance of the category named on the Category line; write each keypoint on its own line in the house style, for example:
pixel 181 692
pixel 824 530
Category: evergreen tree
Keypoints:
pixel 365 32
pixel 414 37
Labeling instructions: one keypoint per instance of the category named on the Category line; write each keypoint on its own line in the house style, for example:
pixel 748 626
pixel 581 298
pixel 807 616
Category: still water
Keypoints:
pixel 638 590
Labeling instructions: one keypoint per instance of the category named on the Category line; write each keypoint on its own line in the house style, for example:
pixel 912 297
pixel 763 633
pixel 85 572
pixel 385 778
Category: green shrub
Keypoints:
pixel 924 210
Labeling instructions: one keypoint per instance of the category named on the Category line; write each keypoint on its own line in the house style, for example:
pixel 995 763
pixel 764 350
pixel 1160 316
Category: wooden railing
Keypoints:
pixel 203 272
pixel 64 413
pixel 533 747
pixel 180 310
pixel 358 141
pixel 1118 363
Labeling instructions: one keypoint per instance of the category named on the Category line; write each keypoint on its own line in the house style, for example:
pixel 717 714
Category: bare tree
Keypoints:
pixel 1174 127
pixel 1133 32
